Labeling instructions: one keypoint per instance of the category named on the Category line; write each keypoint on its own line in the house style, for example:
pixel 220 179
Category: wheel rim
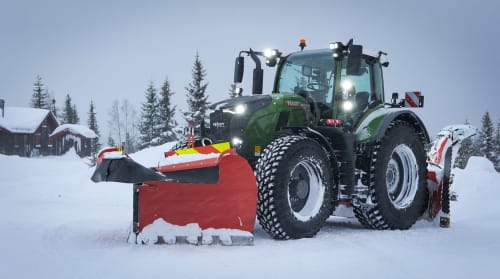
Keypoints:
pixel 305 190
pixel 402 177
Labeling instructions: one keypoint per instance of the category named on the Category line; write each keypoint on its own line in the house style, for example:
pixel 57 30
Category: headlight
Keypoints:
pixel 270 53
pixel 346 85
pixel 236 141
pixel 238 109
pixel 334 46
pixel 347 105
pixel 271 56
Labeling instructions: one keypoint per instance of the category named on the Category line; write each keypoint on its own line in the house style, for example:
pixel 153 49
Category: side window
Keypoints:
pixel 361 92
pixel 378 80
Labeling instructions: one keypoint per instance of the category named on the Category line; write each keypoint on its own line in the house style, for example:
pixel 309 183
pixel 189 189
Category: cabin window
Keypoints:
pixel 16 140
pixel 37 140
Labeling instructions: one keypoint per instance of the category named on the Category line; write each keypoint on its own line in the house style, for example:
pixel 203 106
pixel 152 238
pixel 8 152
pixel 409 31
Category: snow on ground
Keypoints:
pixel 56 223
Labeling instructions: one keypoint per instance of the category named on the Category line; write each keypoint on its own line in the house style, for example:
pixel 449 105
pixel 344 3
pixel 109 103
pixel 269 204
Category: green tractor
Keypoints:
pixel 325 137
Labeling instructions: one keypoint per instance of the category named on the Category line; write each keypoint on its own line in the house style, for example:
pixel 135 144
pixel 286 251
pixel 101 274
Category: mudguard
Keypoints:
pixel 374 126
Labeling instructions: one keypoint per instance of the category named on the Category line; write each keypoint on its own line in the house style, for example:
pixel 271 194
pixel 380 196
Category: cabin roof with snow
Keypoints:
pixel 74 129
pixel 24 120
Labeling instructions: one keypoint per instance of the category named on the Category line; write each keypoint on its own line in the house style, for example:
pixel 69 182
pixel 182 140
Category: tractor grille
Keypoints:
pixel 220 125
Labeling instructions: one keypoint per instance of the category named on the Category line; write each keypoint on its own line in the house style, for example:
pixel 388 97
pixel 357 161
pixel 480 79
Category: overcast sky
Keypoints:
pixel 106 50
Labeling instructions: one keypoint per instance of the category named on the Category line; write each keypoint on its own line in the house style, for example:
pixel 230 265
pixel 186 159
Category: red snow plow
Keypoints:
pixel 440 159
pixel 209 200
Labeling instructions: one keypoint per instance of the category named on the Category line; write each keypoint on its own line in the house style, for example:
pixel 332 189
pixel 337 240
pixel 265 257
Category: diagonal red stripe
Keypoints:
pixel 207 149
pixel 410 101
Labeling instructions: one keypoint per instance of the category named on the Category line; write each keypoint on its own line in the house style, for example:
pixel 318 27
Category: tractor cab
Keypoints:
pixel 340 83
pixel 333 87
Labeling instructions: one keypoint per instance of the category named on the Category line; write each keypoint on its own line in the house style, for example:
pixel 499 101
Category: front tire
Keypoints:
pixel 397 191
pixel 295 187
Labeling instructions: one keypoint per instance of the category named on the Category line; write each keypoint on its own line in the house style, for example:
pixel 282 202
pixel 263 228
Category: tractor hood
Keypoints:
pixel 251 122
pixel 251 102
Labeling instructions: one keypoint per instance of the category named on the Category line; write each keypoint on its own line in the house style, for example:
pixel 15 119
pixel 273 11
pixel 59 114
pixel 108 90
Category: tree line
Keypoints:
pixel 155 124
pixel 41 98
pixel 485 144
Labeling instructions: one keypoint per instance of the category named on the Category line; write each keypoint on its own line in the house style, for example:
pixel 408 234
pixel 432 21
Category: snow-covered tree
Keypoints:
pixel 486 140
pixel 130 126
pixel 497 147
pixel 149 125
pixel 123 125
pixel 76 119
pixel 197 99
pixel 111 141
pixel 167 113
pixel 69 112
pixel 92 123
pixel 465 151
pixel 40 97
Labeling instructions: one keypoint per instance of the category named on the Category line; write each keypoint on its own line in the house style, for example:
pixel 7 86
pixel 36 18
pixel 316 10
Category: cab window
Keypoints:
pixel 358 88
pixel 310 75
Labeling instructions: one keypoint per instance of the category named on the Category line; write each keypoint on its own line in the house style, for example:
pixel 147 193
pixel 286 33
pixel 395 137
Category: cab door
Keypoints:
pixel 358 92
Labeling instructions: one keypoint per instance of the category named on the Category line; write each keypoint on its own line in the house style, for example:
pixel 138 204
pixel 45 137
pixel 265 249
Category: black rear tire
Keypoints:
pixel 295 187
pixel 397 191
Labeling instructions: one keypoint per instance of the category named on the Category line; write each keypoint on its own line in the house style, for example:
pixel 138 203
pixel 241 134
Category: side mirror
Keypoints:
pixel 354 60
pixel 239 66
pixel 258 80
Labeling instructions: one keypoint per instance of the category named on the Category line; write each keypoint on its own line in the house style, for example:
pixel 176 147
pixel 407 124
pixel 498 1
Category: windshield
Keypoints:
pixel 309 73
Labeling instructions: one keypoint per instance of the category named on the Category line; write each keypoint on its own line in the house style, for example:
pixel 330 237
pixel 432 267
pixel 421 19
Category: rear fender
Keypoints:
pixel 374 126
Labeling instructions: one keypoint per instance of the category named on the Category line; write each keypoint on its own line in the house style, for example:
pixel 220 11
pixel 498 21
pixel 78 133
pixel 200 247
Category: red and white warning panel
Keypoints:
pixel 414 99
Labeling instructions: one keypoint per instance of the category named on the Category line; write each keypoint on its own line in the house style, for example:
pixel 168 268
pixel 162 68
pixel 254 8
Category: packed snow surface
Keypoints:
pixel 56 223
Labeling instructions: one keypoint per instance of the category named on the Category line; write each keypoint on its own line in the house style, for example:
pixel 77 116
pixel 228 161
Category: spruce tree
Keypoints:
pixel 167 112
pixel 92 124
pixel 67 113
pixel 197 99
pixel 465 152
pixel 76 119
pixel 40 97
pixel 150 119
pixel 497 147
pixel 486 140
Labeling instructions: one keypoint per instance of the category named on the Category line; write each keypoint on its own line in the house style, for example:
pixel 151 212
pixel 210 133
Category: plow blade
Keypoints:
pixel 216 203
pixel 206 201
pixel 124 170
